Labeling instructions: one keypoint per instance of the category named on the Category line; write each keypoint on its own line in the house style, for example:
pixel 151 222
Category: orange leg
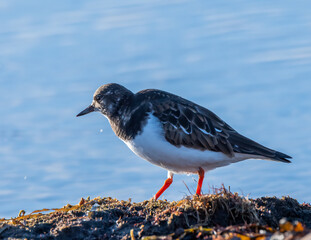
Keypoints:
pixel 165 186
pixel 201 177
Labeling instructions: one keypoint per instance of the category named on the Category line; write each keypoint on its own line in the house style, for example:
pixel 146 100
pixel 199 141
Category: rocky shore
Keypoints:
pixel 222 215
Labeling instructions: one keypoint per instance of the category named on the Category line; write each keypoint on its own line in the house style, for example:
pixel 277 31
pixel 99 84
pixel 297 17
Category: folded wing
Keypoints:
pixel 190 125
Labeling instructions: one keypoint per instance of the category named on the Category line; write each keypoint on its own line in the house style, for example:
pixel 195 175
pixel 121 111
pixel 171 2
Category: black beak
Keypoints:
pixel 87 110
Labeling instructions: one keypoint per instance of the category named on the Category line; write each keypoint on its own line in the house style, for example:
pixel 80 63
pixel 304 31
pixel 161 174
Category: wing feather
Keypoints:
pixel 188 124
pixel 185 126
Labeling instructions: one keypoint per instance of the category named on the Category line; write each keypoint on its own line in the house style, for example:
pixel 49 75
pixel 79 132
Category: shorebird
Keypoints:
pixel 174 133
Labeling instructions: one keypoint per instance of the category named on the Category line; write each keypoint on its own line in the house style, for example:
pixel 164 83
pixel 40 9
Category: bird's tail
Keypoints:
pixel 249 146
pixel 282 157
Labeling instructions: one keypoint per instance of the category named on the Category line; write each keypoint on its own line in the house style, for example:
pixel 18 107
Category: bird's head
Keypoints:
pixel 108 99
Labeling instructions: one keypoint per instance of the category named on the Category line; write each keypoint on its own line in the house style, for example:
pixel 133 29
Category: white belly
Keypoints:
pixel 152 146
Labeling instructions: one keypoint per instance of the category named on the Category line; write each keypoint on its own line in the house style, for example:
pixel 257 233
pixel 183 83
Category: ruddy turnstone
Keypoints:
pixel 174 133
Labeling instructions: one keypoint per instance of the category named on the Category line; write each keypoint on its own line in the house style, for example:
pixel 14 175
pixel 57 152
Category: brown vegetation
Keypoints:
pixel 222 215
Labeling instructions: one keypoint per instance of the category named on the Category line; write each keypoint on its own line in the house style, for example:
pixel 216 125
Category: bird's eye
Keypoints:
pixel 97 98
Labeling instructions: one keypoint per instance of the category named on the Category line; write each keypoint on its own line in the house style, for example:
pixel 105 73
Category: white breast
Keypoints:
pixel 152 146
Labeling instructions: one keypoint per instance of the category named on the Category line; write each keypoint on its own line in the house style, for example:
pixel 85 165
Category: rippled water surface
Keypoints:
pixel 248 61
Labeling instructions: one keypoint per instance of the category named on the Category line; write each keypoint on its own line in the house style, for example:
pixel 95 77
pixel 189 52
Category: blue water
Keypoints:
pixel 248 61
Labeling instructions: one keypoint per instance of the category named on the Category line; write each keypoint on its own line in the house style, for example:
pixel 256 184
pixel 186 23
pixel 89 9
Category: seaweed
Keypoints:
pixel 221 215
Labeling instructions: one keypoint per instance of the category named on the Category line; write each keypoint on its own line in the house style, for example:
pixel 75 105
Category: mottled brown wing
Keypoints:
pixel 188 124
pixel 192 126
